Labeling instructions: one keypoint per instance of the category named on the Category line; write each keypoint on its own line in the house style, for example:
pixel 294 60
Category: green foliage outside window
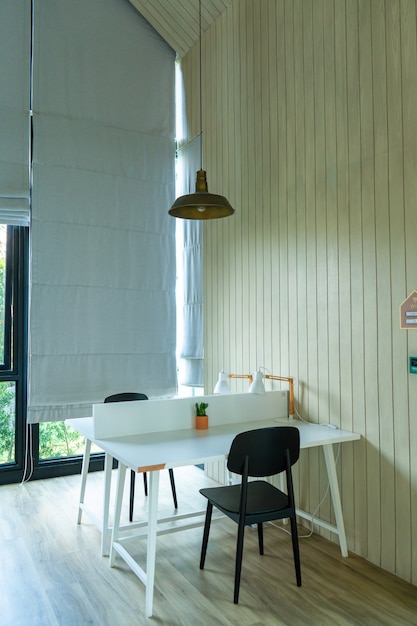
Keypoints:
pixel 2 285
pixel 56 440
pixel 7 422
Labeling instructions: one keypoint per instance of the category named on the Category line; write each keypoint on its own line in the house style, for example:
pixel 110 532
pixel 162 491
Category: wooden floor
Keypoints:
pixel 51 571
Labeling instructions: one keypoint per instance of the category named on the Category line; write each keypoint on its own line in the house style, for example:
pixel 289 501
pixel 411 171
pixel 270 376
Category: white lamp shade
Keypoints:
pixel 221 387
pixel 257 386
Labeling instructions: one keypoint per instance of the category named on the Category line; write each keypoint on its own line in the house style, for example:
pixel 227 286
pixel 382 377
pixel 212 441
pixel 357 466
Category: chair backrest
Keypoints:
pixel 266 450
pixel 127 396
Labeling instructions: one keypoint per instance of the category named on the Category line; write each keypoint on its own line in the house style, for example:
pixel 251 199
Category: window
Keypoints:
pixel 13 349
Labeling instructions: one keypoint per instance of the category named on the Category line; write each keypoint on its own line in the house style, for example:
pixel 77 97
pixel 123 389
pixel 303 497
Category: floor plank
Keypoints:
pixel 52 573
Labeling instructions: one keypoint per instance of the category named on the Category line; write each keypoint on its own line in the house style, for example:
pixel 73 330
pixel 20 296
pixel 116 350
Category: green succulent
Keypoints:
pixel 200 409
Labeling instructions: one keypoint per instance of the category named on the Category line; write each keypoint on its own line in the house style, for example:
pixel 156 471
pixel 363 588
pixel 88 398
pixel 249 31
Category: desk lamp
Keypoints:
pixel 222 388
pixel 257 386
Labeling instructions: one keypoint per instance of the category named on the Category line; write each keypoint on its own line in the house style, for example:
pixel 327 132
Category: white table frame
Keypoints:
pixel 155 451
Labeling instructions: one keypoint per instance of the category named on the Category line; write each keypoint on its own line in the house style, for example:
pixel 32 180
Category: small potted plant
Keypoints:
pixel 201 418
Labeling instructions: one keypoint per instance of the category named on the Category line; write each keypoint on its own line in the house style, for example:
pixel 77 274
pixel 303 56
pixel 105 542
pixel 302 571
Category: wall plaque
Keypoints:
pixel 408 312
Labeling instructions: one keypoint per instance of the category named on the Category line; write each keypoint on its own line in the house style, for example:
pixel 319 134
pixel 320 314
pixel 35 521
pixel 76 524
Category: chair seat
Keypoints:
pixel 262 498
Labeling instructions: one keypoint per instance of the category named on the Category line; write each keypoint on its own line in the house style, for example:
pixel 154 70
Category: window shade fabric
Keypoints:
pixel 102 309
pixel 190 237
pixel 15 26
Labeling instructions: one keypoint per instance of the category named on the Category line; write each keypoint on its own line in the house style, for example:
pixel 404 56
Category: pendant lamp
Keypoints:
pixel 201 205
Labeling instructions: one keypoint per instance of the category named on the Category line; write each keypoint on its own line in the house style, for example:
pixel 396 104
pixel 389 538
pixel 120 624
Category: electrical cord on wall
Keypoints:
pixel 301 418
pixel 315 510
pixel 314 514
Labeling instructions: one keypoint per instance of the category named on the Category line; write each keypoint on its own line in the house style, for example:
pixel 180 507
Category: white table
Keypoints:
pixel 151 452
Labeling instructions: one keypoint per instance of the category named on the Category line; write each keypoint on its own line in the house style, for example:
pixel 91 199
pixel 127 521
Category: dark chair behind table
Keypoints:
pixel 257 453
pixel 128 397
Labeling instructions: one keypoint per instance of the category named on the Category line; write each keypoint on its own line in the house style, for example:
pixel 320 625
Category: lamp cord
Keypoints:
pixel 313 515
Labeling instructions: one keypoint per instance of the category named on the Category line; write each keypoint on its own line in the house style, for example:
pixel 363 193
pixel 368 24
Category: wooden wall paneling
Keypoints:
pixel 253 163
pixel 209 243
pixel 221 160
pixel 256 207
pixel 332 210
pixel 331 213
pixel 306 387
pixel 213 160
pixel 297 296
pixel 236 122
pixel 239 351
pixel 230 182
pixel 321 240
pixel 369 275
pixel 225 177
pixel 356 295
pixel 343 216
pixel 281 357
pixel 401 433
pixel 383 286
pixel 285 138
pixel 339 107
pixel 406 474
pixel 272 355
pixel 290 364
pixel 347 461
pixel 320 195
pixel 297 366
pixel 266 69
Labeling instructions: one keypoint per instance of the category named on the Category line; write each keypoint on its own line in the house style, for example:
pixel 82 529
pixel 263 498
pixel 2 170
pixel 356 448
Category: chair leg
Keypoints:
pixel 296 550
pixel 239 555
pixel 206 534
pixel 132 494
pixel 261 538
pixel 145 483
pixel 174 492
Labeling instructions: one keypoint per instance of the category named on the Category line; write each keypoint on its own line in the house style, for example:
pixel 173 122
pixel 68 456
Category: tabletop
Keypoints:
pixel 175 448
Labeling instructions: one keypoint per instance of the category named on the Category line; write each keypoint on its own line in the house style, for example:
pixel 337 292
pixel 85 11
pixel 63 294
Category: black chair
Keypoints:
pixel 257 453
pixel 127 397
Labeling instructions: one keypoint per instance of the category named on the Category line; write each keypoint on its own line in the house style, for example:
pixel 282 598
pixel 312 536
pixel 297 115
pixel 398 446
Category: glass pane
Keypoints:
pixel 57 440
pixel 3 246
pixel 7 422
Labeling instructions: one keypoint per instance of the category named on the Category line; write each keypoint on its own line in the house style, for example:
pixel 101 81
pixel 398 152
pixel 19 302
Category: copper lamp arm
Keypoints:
pixel 242 376
pixel 290 382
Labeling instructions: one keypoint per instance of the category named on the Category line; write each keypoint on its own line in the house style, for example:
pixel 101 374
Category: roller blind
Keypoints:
pixel 190 239
pixel 102 309
pixel 15 25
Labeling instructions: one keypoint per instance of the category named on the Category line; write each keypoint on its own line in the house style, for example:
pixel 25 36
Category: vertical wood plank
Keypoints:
pixel 383 284
pixel 406 474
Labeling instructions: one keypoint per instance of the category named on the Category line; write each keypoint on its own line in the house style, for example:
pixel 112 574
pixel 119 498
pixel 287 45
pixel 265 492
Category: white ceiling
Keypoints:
pixel 177 21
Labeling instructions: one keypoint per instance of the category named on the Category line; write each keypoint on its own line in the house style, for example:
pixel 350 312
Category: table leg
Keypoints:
pixel 151 548
pixel 84 474
pixel 334 490
pixel 108 464
pixel 121 473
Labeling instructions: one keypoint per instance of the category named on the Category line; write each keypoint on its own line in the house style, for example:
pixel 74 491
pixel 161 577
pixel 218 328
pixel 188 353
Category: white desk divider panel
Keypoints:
pixel 156 415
